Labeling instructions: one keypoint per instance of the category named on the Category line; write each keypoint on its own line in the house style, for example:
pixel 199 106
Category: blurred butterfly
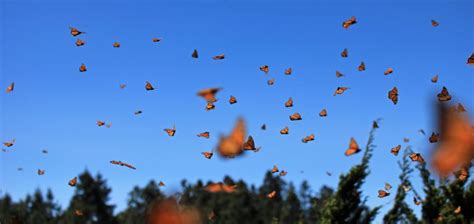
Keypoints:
pixel 323 113
pixel 156 40
pixel 462 174
pixel 393 95
pixel 328 173
pixel 417 157
pixel 220 187
pixel 406 188
pixel 388 186
pixel 122 86
pixel 444 95
pixel 383 194
pixel 345 53
pixel 265 68
pixel 353 148
pixel 209 94
pixel 250 145
pixel 295 117
pixel 433 138
pixel 82 68
pixel 422 132
pixel 458 108
pixel 211 216
pixel 282 173
pixel 270 82
pixel 195 54
pixel 434 23
pixel 395 150
pixel 263 127
pixel 204 134
pixel 232 100
pixel 361 67
pixel 219 57
pixel 44 151
pixel 9 143
pixel 19 169
pixel 149 86
pixel 339 74
pixel 284 131
pixel 80 42
pixel 416 200
pixel 340 90
pixel 108 125
pixel 207 155
pixel 170 131
pixel 457 210
pixel 388 71
pixel 10 88
pixel 347 23
pixel 288 71
pixel 406 140
pixel 232 145
pixel 271 194
pixel 73 182
pixel 161 184
pixel 116 45
pixel 470 60
pixel 375 124
pixel 78 212
pixel 434 79
pixel 138 112
pixel 120 163
pixel 275 169
pixel 308 138
pixel 100 123
pixel 289 102
pixel 210 106
pixel 75 31
pixel 41 172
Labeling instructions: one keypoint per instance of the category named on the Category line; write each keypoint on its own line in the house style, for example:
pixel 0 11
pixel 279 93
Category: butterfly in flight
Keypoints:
pixel 395 150
pixel 284 131
pixel 383 194
pixel 388 71
pixel 393 95
pixel 288 71
pixel 340 90
pixel 219 57
pixel 434 23
pixel 345 53
pixel 444 95
pixel 348 23
pixel 289 102
pixel 204 134
pixel 80 42
pixel 82 68
pixel 353 148
pixel 232 145
pixel 323 113
pixel 308 138
pixel 361 67
pixel 170 131
pixel 265 69
pixel 10 88
pixel 195 54
pixel 295 117
pixel 232 100
pixel 116 45
pixel 75 32
pixel 149 86
pixel 73 182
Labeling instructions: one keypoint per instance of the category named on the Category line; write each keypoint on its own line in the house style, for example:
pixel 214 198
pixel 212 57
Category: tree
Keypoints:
pixel 138 203
pixel 270 208
pixel 292 211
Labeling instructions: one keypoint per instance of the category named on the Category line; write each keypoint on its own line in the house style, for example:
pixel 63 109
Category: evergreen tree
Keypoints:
pixel 318 203
pixel 292 211
pixel 270 208
pixel 434 200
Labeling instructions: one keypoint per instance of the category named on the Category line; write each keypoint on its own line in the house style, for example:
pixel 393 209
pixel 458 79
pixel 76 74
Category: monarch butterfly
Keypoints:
pixel 219 57
pixel 328 173
pixel 434 23
pixel 120 163
pixel 195 54
pixel 204 134
pixel 170 131
pixel 289 102
pixel 340 90
pixel 347 23
pixel 149 86
pixel 282 173
pixel 433 138
pixel 41 172
pixel 417 157
pixel 422 131
pixel 393 95
pixel 457 210
pixel 339 74
pixel 416 200
pixel 270 82
pixel 271 194
pixel 210 106
pixel 75 32
pixel 323 113
pixel 116 45
pixel 138 112
pixel 460 108
pixel 9 143
pixel 100 123
pixel 232 145
pixel 44 151
pixel 156 40
pixel 361 67
pixel 263 127
pixel 250 145
pixel 388 186
pixel 80 42
pixel 220 187
pixel 122 86
pixel 353 148
pixel 275 169
pixel 108 125
pixel 284 131
pixel 383 194
pixel 444 95
pixel 232 100
pixel 345 53
pixel 375 124
pixel 463 174
pixel 211 216
pixel 308 138
pixel 388 71
pixel 470 60
pixel 10 88
pixel 207 155
pixel 78 212
pixel 82 68
pixel 288 71
pixel 395 150
pixel 434 79
pixel 161 184
pixel 295 117
pixel 265 68
pixel 73 182
pixel 209 94
pixel 406 140
pixel 20 169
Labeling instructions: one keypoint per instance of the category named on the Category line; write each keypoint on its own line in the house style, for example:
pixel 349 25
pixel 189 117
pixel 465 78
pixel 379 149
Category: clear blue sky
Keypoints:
pixel 55 107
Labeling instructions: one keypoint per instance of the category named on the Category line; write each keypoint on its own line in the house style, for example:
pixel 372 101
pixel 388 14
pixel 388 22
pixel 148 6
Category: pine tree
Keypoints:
pixel 270 208
pixel 292 211
pixel 434 200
